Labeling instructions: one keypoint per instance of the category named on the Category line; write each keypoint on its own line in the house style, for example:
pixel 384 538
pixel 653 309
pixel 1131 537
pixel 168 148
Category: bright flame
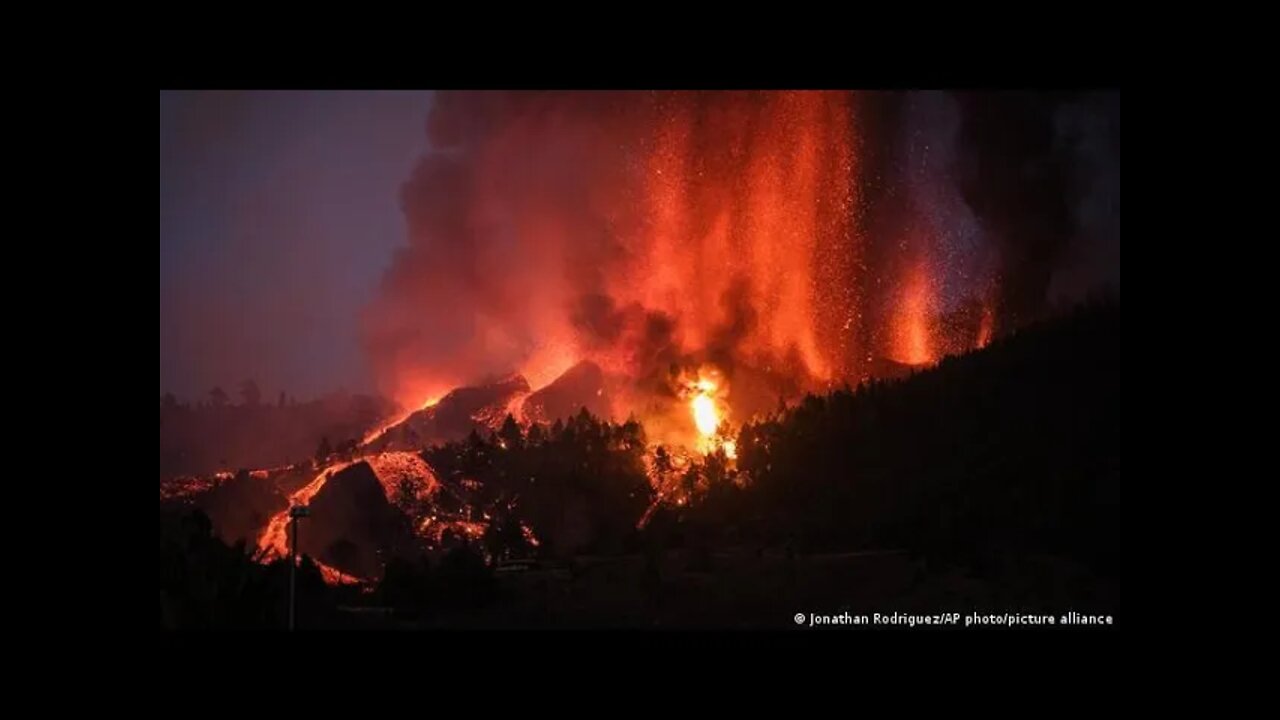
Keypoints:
pixel 704 414
pixel 710 411
pixel 730 449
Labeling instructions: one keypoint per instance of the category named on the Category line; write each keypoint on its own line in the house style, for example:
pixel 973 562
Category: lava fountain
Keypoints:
pixel 634 230
pixel 644 231
pixel 914 318
pixel 985 326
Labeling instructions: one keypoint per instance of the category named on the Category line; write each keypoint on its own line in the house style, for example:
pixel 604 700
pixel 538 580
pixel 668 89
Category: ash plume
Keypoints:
pixel 780 237
pixel 1027 163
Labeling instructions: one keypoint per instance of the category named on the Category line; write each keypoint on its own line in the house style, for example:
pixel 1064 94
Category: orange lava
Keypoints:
pixel 914 318
pixel 377 432
pixel 391 468
pixel 334 576
pixel 274 542
pixel 395 468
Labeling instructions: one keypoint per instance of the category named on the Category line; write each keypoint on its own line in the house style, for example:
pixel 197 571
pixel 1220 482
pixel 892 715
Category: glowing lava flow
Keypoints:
pixel 391 469
pixel 334 576
pixel 377 432
pixel 274 542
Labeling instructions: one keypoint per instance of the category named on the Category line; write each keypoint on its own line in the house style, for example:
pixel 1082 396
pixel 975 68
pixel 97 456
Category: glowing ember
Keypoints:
pixel 395 468
pixel 528 535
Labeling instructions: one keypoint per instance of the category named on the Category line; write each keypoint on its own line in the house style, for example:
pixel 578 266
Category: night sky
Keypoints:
pixel 279 212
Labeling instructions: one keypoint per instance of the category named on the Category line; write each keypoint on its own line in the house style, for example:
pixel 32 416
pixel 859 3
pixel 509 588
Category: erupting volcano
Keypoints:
pixel 689 260
pixel 648 234
pixel 652 359
pixel 638 255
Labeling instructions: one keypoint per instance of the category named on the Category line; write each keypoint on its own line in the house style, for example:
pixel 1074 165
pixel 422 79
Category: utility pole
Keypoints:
pixel 295 512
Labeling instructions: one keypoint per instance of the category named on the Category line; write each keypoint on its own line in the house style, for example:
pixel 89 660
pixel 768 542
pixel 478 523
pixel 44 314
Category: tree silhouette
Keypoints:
pixel 218 397
pixel 510 433
pixel 986 460
pixel 536 435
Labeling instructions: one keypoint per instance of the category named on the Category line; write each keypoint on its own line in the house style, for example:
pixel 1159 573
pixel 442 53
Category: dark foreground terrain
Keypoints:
pixel 989 483
pixel 742 589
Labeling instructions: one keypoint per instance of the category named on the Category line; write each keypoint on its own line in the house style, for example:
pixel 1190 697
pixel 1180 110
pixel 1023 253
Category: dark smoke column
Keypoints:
pixel 1013 173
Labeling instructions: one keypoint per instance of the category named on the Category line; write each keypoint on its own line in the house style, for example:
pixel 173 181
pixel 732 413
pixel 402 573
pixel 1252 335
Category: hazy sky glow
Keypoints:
pixel 279 211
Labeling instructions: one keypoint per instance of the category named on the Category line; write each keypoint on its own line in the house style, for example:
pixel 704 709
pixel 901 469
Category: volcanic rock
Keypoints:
pixel 580 386
pixel 352 526
pixel 464 409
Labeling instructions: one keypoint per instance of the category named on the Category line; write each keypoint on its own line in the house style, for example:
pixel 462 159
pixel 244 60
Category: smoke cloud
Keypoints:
pixel 1041 171
pixel 772 235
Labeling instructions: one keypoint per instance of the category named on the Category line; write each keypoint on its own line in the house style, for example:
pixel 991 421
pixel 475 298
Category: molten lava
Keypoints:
pixel 391 468
pixel 334 576
pixel 378 431
pixel 274 542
